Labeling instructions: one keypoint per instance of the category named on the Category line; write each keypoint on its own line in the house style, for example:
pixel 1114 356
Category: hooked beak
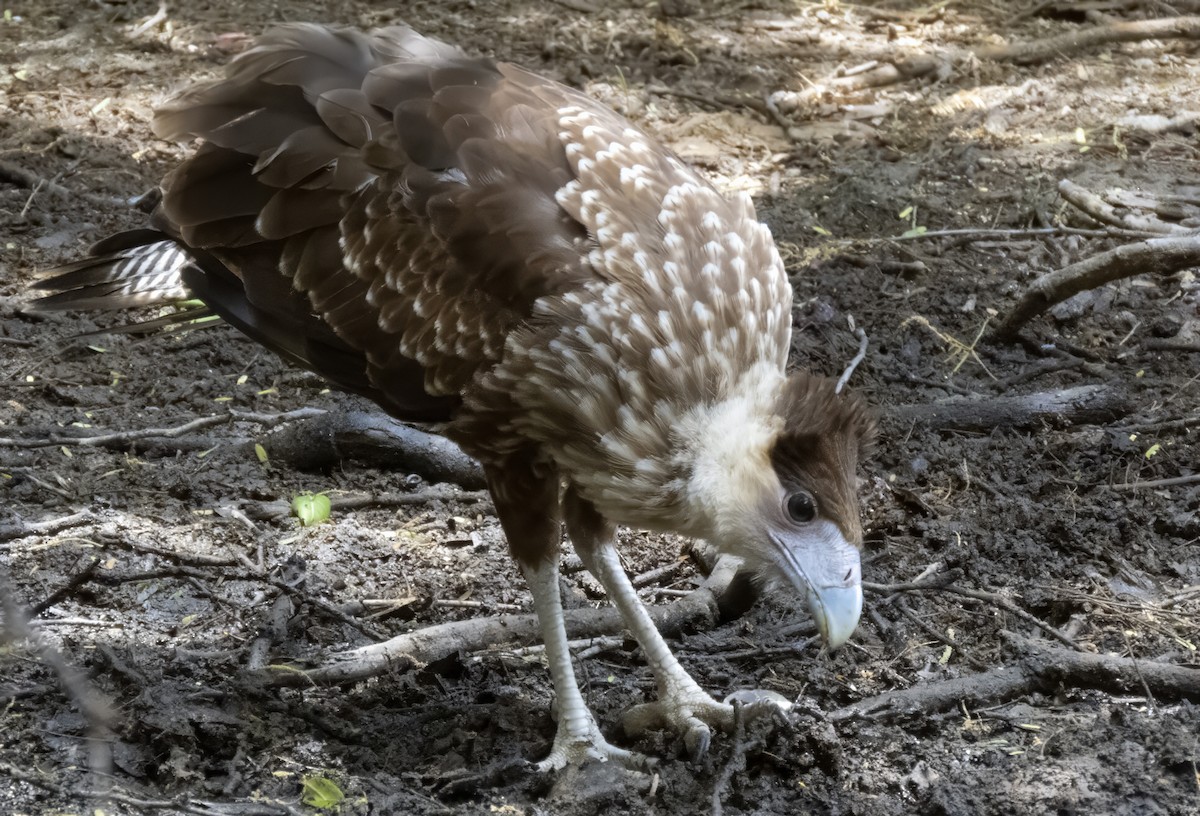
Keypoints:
pixel 825 567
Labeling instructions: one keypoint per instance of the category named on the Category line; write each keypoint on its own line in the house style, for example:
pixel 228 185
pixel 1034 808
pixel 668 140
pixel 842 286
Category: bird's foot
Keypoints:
pixel 692 712
pixel 579 740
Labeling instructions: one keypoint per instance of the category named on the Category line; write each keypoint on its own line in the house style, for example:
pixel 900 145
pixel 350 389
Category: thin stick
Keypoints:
pixel 153 20
pixel 1152 483
pixel 858 358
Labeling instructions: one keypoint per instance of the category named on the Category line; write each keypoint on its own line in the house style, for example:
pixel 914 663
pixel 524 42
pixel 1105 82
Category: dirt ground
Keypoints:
pixel 1042 540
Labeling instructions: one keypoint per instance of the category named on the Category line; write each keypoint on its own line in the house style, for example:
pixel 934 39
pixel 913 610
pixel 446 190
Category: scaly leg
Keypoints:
pixel 682 705
pixel 578 737
pixel 528 507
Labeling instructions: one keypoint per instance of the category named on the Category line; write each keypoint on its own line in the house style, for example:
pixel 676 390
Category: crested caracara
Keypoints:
pixel 480 248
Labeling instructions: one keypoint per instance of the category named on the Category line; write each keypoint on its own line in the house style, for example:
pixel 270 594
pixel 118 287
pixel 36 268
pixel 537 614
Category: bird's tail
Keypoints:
pixel 141 267
pixel 136 268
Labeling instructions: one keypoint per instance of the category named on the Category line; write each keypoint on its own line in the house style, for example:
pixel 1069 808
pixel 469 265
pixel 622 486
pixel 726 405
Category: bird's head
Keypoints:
pixel 788 502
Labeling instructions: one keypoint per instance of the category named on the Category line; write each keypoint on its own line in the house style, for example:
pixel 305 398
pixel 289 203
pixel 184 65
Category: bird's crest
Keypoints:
pixel 825 434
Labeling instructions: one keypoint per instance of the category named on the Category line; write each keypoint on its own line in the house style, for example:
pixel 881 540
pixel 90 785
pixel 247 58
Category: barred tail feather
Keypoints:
pixel 136 268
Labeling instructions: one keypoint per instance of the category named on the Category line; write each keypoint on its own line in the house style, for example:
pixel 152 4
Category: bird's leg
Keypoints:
pixel 528 508
pixel 682 705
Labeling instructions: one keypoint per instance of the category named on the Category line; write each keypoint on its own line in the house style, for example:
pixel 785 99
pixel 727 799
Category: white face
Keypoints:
pixel 782 531
pixel 814 557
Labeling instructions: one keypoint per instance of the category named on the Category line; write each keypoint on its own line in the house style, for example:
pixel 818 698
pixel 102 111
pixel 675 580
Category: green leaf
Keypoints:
pixel 321 793
pixel 311 508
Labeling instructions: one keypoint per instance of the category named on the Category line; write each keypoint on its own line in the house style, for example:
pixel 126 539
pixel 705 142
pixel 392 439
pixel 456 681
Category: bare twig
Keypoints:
pixel 153 20
pixel 659 573
pixel 853 364
pixel 995 599
pixel 1153 483
pixel 125 437
pixel 850 80
pixel 1033 232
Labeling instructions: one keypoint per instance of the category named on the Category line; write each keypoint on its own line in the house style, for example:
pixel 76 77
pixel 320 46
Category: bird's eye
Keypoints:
pixel 801 507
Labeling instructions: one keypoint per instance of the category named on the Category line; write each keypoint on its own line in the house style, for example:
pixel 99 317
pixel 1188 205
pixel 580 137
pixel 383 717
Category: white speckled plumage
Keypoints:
pixel 476 246
pixel 648 347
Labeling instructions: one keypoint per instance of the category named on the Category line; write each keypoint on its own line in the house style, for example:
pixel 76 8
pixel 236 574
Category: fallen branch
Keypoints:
pixel 325 439
pixel 24 178
pixel 874 75
pixel 1156 256
pixel 930 698
pixel 1081 405
pixel 339 436
pixel 1065 45
pixel 434 643
pixel 1100 210
pixel 9 532
pixel 1042 668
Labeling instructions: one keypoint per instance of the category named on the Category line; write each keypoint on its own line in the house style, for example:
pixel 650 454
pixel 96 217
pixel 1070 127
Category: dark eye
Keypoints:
pixel 801 507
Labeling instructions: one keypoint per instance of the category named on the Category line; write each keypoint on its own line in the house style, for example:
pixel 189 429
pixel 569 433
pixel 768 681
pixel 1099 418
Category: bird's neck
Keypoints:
pixel 730 455
pixel 711 463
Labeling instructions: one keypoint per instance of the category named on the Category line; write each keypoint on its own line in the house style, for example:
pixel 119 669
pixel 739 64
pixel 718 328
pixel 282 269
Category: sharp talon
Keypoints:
pixel 698 738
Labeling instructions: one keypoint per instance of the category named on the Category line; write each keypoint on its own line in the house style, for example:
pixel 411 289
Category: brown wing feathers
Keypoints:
pixel 368 170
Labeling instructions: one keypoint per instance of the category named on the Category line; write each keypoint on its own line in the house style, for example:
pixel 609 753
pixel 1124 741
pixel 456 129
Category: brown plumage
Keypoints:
pixel 475 246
